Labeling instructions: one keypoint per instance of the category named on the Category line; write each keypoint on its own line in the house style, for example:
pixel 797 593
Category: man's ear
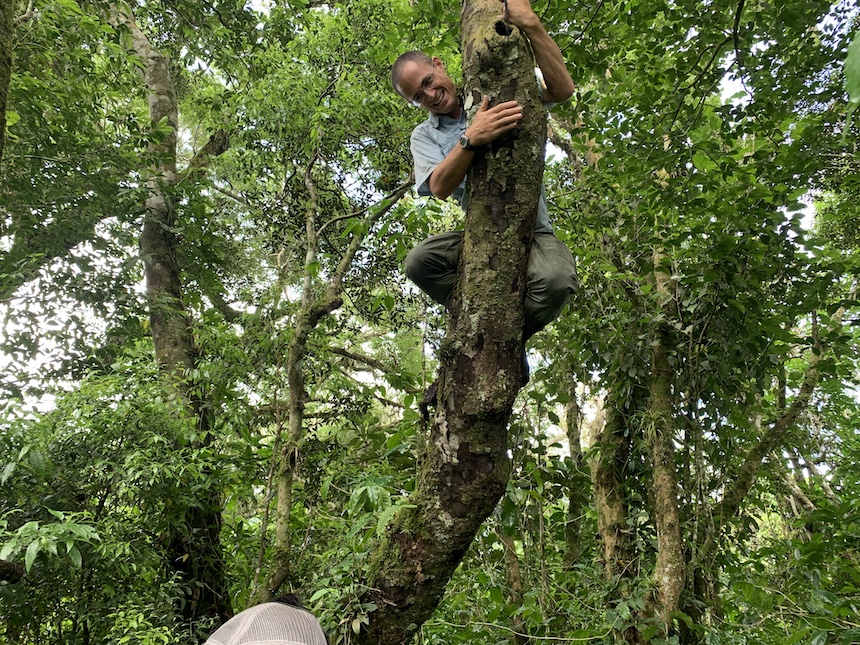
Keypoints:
pixel 438 62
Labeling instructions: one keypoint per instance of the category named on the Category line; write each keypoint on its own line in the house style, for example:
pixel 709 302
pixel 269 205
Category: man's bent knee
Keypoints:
pixel 432 265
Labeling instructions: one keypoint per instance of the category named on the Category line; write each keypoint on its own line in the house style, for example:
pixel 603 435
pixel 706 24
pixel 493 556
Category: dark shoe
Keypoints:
pixel 429 400
pixel 524 369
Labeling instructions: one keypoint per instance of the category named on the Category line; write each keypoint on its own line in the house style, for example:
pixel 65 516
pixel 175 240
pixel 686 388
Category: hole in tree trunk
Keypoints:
pixel 503 28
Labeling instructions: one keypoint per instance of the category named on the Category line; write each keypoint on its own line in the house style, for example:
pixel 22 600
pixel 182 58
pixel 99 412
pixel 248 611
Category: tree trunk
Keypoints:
pixel 609 481
pixel 7 8
pixel 610 500
pixel 465 466
pixel 578 484
pixel 194 546
pixel 670 568
pixel 515 584
pixel 314 308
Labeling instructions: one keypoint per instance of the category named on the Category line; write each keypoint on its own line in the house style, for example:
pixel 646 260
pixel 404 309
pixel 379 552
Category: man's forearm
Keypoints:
pixel 559 84
pixel 450 172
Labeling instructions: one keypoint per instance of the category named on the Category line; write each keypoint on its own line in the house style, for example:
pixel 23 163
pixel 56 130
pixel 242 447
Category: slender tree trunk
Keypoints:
pixel 608 475
pixel 194 546
pixel 465 466
pixel 579 483
pixel 610 500
pixel 314 307
pixel 745 476
pixel 515 584
pixel 7 9
pixel 670 567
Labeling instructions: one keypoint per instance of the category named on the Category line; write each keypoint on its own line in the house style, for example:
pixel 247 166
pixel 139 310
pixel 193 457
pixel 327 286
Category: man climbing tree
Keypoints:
pixel 484 284
pixel 444 148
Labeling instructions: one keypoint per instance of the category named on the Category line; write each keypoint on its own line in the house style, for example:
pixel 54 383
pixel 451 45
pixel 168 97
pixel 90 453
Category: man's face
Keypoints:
pixel 428 86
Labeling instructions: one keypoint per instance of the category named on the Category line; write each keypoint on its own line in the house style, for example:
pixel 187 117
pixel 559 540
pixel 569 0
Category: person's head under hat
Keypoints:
pixel 283 621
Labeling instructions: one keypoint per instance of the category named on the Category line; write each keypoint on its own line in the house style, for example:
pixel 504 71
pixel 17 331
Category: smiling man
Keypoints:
pixel 443 148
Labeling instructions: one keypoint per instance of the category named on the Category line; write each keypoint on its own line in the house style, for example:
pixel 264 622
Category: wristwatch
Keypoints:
pixel 465 145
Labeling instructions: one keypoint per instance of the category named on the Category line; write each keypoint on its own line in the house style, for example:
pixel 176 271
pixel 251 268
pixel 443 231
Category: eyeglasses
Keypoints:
pixel 426 84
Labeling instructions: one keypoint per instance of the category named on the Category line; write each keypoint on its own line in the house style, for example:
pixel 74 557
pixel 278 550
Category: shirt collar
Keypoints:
pixel 437 120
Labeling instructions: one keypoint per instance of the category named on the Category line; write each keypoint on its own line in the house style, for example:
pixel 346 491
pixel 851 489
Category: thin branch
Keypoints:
pixel 397 192
pixel 232 195
pixel 358 358
pixel 28 14
pixel 381 209
pixel 590 20
pixel 736 37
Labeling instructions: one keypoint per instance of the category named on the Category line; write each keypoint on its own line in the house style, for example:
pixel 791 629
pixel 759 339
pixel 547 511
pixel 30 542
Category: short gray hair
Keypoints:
pixel 409 57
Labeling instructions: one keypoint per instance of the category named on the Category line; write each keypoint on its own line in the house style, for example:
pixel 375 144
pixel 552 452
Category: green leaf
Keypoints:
pixel 797 636
pixel 30 555
pixel 7 550
pixel 7 472
pixel 37 461
pixel 703 161
pixel 820 638
pixel 680 615
pixel 75 557
pixel 319 593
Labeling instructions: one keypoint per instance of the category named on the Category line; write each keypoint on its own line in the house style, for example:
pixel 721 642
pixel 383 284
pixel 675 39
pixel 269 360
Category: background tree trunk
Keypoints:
pixel 314 307
pixel 579 482
pixel 669 568
pixel 465 466
pixel 514 579
pixel 194 545
pixel 7 8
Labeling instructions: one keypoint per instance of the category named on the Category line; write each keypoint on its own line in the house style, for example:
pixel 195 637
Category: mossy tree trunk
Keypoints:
pixel 465 466
pixel 579 483
pixel 193 545
pixel 6 23
pixel 670 566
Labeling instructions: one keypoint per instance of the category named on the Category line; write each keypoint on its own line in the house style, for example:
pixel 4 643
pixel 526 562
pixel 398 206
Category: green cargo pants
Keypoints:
pixel 551 277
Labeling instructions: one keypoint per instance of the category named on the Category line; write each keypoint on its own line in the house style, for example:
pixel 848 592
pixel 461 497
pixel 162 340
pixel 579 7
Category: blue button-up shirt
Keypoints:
pixel 431 142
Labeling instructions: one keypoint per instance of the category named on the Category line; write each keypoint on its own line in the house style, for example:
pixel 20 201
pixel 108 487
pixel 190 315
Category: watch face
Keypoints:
pixel 464 141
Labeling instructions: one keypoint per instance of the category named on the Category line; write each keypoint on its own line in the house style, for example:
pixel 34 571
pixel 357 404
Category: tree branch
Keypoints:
pixel 219 143
pixel 358 358
pixel 10 571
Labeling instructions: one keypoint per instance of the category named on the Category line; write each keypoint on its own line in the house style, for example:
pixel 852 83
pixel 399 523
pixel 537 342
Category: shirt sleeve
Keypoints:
pixel 541 83
pixel 426 154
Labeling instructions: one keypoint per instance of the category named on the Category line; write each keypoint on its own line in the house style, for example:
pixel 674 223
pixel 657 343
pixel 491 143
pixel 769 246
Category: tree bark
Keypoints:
pixel 670 567
pixel 610 501
pixel 194 546
pixel 515 584
pixel 579 482
pixel 7 8
pixel 609 480
pixel 465 466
